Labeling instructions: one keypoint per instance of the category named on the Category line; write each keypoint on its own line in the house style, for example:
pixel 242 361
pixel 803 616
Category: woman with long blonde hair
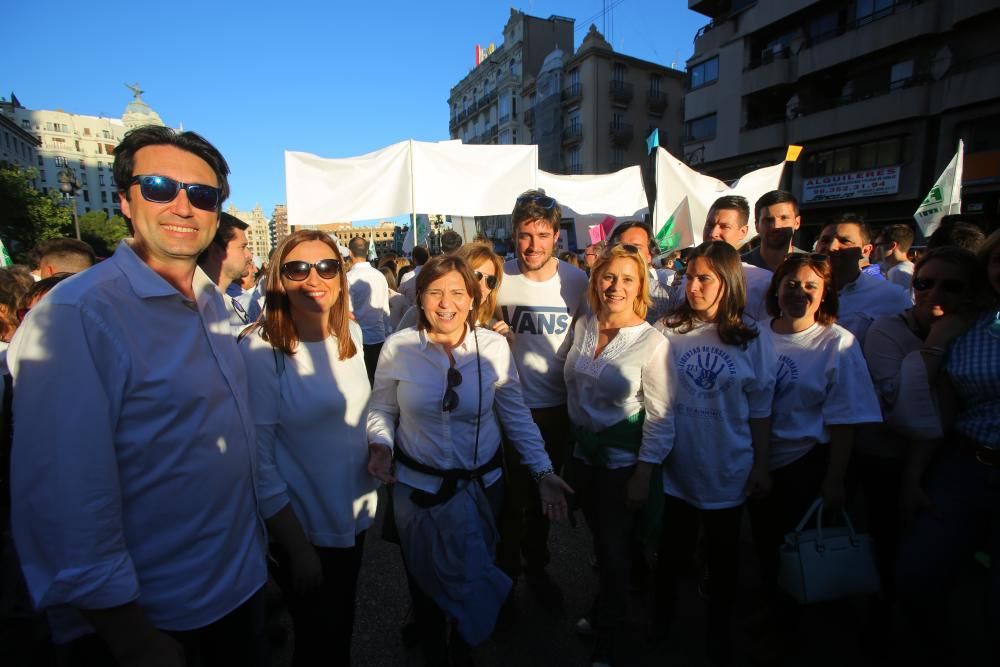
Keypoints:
pixel 309 393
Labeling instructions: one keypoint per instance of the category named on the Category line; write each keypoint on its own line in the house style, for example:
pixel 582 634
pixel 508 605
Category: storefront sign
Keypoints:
pixel 853 185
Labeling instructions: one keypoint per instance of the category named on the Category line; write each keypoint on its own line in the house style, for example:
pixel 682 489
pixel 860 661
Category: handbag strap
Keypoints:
pixel 817 509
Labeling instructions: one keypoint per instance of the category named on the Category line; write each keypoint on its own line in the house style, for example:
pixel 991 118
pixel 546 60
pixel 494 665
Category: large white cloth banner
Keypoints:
pixel 323 190
pixel 620 194
pixel 683 197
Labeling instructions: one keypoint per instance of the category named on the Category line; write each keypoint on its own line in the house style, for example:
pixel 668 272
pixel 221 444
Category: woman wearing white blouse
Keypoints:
pixel 721 373
pixel 616 383
pixel 823 391
pixel 309 394
pixel 439 390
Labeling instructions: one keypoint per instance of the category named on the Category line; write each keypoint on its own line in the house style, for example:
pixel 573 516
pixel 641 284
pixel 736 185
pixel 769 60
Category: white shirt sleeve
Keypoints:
pixel 383 406
pixel 658 429
pixel 516 419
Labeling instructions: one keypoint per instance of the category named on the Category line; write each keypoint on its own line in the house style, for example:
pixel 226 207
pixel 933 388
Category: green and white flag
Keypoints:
pixel 683 197
pixel 4 255
pixel 945 198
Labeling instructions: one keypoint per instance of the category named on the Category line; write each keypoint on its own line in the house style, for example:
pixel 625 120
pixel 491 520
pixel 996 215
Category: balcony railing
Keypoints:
pixel 572 92
pixel 656 100
pixel 572 134
pixel 620 91
pixel 620 132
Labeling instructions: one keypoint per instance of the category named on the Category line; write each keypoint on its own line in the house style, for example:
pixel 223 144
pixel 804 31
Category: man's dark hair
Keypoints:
pixel 420 255
pixel 901 235
pixel 854 219
pixel 956 232
pixel 616 234
pixel 450 241
pixel 732 203
pixel 155 135
pixel 228 224
pixel 775 197
pixel 359 247
pixel 67 248
pixel 527 207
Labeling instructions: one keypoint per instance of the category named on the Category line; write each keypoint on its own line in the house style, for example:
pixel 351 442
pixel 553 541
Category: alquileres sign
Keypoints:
pixel 853 185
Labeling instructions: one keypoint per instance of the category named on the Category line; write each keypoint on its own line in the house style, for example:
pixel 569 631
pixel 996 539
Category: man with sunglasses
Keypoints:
pixel 134 508
pixel 369 301
pixel 848 242
pixel 540 298
pixel 227 261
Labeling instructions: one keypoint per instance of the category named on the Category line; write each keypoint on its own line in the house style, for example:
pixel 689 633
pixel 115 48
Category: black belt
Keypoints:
pixel 451 476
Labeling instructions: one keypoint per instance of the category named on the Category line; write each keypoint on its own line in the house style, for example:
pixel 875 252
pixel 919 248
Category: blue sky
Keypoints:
pixel 258 78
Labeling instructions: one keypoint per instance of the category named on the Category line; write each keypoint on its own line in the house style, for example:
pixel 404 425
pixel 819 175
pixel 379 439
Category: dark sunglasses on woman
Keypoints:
pixel 299 270
pixel 950 286
pixel 491 281
pixel 163 190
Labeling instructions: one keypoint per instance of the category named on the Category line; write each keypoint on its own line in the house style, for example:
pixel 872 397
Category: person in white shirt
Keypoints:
pixel 847 240
pixel 722 375
pixel 665 294
pixel 407 286
pixel 309 395
pixel 822 392
pixel 540 298
pixel 889 250
pixel 397 302
pixel 617 391
pixel 226 260
pixel 369 301
pixel 729 220
pixel 442 390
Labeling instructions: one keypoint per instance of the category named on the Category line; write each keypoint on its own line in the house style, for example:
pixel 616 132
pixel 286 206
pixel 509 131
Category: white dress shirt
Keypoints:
pixel 628 376
pixel 408 286
pixel 405 407
pixel 370 301
pixel 133 457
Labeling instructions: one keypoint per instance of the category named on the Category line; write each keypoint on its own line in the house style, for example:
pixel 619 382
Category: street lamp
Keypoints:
pixel 69 185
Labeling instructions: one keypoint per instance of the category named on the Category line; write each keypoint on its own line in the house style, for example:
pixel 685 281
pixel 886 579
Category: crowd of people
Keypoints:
pixel 182 424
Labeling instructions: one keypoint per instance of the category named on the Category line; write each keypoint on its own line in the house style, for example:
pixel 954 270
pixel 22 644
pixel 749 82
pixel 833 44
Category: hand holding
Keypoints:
pixel 553 491
pixel 759 482
pixel 380 463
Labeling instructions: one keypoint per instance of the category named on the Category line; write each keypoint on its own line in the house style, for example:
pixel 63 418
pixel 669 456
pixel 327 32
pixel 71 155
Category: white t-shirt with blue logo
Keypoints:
pixel 717 388
pixel 822 380
pixel 541 316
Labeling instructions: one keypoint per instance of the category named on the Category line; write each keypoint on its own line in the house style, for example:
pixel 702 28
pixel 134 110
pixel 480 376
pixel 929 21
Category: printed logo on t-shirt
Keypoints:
pixel 706 370
pixel 537 319
pixel 788 375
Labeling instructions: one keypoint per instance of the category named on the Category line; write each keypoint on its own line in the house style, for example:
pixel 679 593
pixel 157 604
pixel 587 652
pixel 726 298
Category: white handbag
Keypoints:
pixel 826 564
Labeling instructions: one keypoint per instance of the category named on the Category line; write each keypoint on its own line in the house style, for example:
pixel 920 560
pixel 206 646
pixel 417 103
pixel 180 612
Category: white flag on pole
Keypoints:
pixel 945 198
pixel 683 197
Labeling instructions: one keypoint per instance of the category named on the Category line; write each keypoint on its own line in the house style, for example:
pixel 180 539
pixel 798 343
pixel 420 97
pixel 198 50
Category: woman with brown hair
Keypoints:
pixel 617 397
pixel 822 393
pixel 309 393
pixel 442 390
pixel 721 373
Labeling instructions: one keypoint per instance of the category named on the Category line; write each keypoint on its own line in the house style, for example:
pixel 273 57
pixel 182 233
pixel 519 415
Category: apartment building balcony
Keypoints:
pixel 905 22
pixel 656 101
pixel 779 70
pixel 572 93
pixel 713 35
pixel 968 82
pixel 572 134
pixel 621 133
pixel 767 134
pixel 860 112
pixel 620 91
pixel 462 115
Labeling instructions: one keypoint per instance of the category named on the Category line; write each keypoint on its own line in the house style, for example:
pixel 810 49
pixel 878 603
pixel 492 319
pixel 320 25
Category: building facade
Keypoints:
pixel 878 92
pixel 18 146
pixel 258 232
pixel 84 145
pixel 387 236
pixel 279 224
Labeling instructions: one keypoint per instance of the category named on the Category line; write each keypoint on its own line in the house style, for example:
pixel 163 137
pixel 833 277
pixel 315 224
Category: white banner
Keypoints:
pixel 945 198
pixel 684 196
pixel 865 183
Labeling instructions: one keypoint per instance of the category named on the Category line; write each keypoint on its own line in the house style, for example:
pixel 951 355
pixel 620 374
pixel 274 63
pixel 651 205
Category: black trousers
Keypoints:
pixel 524 530
pixel 235 639
pixel 323 619
pixel 371 360
pixel 681 524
